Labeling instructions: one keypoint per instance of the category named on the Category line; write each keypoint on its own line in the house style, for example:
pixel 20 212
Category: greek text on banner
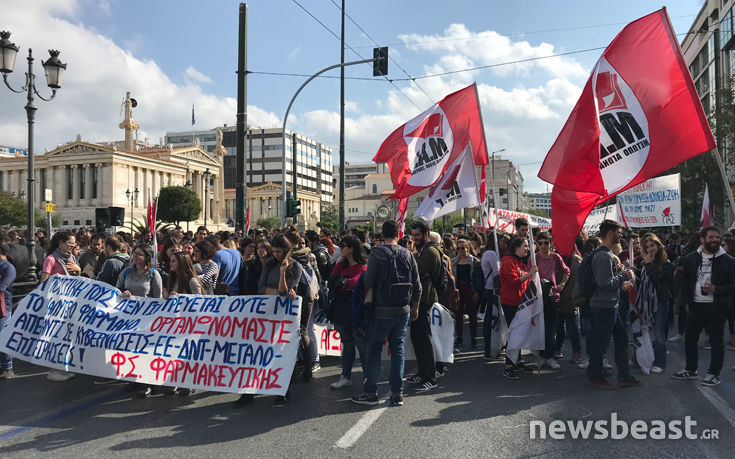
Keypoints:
pixel 242 344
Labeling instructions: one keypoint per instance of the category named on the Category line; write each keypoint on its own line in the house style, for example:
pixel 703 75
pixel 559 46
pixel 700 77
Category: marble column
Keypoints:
pixel 98 171
pixel 87 184
pixel 57 177
pixel 107 191
pixel 75 184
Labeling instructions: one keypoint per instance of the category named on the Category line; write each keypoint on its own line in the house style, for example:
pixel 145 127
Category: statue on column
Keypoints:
pixel 128 124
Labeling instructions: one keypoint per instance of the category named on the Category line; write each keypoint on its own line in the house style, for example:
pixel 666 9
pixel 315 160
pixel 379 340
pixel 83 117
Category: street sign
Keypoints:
pixel 50 207
pixel 48 194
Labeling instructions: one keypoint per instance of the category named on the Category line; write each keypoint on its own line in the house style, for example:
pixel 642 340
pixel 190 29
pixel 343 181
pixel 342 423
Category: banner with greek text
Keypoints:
pixel 655 202
pixel 242 344
pixel 595 218
pixel 504 220
pixel 442 336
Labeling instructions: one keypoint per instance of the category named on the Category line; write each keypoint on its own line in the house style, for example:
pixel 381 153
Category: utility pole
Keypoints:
pixel 242 119
pixel 342 126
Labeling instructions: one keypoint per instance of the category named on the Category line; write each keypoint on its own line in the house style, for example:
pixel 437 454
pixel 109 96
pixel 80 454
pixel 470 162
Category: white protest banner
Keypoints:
pixel 655 202
pixel 455 190
pixel 242 344
pixel 442 335
pixel 592 224
pixel 504 220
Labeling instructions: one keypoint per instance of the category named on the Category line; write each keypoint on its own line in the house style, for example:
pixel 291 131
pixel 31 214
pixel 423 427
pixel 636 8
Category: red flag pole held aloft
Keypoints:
pixel 639 115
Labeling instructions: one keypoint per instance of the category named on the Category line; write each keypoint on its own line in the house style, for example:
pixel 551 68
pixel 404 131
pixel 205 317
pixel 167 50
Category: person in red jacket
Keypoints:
pixel 514 278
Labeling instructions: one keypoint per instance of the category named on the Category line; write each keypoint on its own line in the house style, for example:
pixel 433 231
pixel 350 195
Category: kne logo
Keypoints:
pixel 429 140
pixel 624 137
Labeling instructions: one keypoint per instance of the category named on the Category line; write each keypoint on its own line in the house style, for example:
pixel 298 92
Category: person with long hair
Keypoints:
pixel 182 278
pixel 60 257
pixel 449 247
pixel 490 263
pixel 514 278
pixel 654 293
pixel 463 266
pixel 343 281
pixel 553 269
pixel 204 250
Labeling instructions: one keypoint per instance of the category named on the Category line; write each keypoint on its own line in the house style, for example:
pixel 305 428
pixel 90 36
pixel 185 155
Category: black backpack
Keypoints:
pixel 586 276
pixel 396 287
pixel 444 279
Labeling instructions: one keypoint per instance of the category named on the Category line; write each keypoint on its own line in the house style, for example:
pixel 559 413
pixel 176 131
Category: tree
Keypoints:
pixel 14 213
pixel 329 217
pixel 178 204
pixel 268 223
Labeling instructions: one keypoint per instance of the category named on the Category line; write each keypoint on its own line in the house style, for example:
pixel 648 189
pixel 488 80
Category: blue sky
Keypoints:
pixel 171 54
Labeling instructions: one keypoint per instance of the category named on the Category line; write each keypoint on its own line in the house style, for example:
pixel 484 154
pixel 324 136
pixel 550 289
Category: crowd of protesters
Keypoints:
pixel 373 286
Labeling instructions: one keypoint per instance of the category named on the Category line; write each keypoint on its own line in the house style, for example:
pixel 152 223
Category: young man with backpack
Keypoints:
pixel 601 277
pixel 116 261
pixel 429 260
pixel 394 289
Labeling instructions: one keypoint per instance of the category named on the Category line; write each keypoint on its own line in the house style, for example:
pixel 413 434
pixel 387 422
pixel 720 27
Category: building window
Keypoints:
pixel 375 189
pixel 42 178
pixel 88 222
pixel 95 177
pixel 69 182
pixel 76 222
pixel 82 183
pixel 227 208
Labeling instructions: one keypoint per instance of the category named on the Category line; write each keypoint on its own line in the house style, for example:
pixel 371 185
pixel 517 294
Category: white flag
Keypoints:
pixel 526 330
pixel 455 190
pixel 706 218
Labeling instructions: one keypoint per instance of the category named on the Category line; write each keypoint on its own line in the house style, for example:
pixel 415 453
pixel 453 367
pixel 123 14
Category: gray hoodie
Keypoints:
pixel 112 268
pixel 609 279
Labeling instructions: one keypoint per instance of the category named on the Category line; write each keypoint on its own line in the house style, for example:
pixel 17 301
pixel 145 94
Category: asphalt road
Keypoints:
pixel 475 412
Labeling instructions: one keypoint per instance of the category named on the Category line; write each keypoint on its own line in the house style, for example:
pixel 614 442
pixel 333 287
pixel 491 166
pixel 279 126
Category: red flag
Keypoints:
pixel 419 151
pixel 154 215
pixel 149 212
pixel 483 201
pixel 639 115
pixel 401 217
pixel 247 221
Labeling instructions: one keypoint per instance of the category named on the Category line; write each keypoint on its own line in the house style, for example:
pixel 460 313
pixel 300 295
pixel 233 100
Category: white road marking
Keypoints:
pixel 354 434
pixel 719 403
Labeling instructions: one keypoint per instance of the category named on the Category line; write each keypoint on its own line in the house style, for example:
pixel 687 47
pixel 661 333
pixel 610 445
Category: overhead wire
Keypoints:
pixel 354 51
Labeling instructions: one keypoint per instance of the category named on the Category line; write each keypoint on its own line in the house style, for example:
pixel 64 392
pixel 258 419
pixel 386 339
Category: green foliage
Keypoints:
pixel 139 224
pixel 178 204
pixel 14 213
pixel 329 217
pixel 268 223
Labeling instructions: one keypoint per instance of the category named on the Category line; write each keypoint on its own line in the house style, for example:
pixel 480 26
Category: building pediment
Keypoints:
pixel 193 153
pixel 79 146
pixel 266 188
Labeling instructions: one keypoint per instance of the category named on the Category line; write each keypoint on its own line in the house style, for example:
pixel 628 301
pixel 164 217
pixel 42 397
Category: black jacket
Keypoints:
pixel 723 278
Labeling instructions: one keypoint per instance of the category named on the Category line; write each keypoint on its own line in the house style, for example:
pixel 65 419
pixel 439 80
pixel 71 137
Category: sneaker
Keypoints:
pixel 710 380
pixel 439 374
pixel 676 339
pixel 315 366
pixel 601 383
pixel 457 349
pixel 7 373
pixel 706 346
pixel 584 364
pixel 551 363
pixel 59 375
pixel 341 382
pixel 656 370
pixel 576 359
pixel 245 399
pixel 558 355
pixel 606 365
pixel 186 392
pixel 510 373
pixel 415 379
pixel 367 399
pixel 147 391
pixel 396 400
pixel 425 386
pixel 685 374
pixel 628 381
pixel 730 347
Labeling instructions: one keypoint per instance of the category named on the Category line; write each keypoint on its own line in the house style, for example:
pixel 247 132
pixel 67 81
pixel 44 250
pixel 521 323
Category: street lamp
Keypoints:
pixel 132 198
pixel 206 194
pixel 54 70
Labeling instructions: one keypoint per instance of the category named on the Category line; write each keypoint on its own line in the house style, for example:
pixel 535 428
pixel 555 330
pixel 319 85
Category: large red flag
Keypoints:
pixel 639 115
pixel 419 151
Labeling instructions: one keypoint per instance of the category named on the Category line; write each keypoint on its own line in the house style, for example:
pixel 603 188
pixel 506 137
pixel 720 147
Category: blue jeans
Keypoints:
pixel 660 325
pixel 393 328
pixel 606 322
pixel 6 363
pixel 570 323
pixel 487 323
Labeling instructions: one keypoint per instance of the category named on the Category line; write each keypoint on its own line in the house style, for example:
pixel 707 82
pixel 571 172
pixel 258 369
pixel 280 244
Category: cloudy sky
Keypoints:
pixel 174 53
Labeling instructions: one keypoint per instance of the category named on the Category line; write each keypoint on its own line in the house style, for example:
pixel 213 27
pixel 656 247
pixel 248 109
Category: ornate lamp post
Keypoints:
pixel 54 70
pixel 132 199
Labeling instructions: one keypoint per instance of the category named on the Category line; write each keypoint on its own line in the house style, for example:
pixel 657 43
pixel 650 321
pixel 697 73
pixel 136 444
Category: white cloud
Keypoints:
pixel 196 76
pixel 292 55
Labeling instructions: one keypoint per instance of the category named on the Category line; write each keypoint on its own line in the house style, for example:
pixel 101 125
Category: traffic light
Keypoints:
pixel 380 64
pixel 289 205
pixel 295 207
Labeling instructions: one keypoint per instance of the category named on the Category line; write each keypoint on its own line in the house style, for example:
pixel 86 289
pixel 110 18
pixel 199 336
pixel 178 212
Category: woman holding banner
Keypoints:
pixel 514 278
pixel 60 260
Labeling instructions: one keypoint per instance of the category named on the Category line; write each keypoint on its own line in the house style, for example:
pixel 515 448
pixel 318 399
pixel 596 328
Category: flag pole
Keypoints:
pixel 532 259
pixel 723 173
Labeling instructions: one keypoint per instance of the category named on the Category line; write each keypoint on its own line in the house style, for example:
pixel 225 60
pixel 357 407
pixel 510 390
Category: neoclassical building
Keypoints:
pixel 83 176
